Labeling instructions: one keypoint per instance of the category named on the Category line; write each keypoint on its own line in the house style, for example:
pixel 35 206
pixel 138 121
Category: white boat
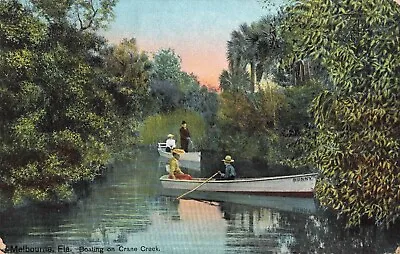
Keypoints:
pixel 293 185
pixel 189 156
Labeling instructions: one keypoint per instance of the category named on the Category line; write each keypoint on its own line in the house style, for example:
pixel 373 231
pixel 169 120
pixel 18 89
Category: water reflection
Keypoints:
pixel 291 204
pixel 129 209
pixel 250 229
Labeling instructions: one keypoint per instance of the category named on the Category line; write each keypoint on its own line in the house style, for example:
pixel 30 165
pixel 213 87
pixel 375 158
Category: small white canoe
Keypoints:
pixel 190 156
pixel 293 185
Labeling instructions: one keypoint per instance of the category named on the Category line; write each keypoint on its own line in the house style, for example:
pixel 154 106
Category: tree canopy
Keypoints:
pixel 357 116
pixel 62 106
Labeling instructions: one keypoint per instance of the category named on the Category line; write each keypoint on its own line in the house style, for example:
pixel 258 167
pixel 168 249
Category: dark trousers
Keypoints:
pixel 185 145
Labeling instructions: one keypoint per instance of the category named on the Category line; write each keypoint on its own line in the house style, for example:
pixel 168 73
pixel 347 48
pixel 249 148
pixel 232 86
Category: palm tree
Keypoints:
pixel 266 42
pixel 238 80
pixel 236 48
pixel 241 52
pixel 252 45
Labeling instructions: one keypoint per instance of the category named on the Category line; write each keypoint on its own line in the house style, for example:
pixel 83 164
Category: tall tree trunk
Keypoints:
pixel 301 71
pixel 253 76
pixel 308 70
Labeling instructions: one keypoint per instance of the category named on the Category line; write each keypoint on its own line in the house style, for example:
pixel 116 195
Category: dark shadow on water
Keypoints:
pixel 211 162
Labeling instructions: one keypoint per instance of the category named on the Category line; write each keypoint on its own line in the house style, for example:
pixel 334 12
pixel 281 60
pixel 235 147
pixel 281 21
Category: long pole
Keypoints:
pixel 191 142
pixel 198 186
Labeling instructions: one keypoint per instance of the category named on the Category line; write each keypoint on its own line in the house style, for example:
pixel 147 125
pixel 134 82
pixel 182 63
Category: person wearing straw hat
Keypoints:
pixel 174 170
pixel 185 136
pixel 170 143
pixel 230 172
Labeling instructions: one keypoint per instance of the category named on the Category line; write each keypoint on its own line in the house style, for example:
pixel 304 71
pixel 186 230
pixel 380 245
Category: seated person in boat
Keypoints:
pixel 174 171
pixel 230 172
pixel 170 143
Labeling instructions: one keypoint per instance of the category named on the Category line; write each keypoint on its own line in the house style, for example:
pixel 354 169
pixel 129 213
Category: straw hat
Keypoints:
pixel 178 151
pixel 170 135
pixel 228 159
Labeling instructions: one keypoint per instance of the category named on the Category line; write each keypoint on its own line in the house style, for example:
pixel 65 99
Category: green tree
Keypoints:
pixel 59 115
pixel 165 80
pixel 357 145
pixel 252 45
pixel 173 88
pixel 129 74
pixel 82 14
pixel 250 120
pixel 167 65
pixel 243 52
pixel 233 81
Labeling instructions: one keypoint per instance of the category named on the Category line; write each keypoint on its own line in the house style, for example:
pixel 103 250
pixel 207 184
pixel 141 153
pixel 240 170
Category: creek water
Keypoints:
pixel 127 211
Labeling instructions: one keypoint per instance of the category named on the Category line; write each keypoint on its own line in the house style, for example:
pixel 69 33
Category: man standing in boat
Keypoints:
pixel 174 170
pixel 230 172
pixel 185 136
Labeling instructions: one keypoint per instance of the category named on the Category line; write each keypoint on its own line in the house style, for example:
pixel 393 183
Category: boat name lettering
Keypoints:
pixel 302 178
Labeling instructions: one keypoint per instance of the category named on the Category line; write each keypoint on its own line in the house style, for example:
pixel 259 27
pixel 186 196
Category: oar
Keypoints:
pixel 198 186
pixel 191 142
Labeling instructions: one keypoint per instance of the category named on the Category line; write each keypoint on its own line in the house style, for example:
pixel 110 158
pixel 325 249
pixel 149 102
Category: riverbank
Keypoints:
pixel 126 208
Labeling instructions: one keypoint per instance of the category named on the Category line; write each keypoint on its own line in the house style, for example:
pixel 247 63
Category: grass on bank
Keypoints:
pixel 156 128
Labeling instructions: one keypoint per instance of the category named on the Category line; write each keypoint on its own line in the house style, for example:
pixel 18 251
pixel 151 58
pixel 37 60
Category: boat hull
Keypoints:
pixel 189 156
pixel 189 165
pixel 294 186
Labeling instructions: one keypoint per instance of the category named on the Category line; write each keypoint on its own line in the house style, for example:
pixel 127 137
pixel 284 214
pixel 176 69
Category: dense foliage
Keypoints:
pixel 342 57
pixel 261 113
pixel 247 123
pixel 69 100
pixel 61 106
pixel 155 128
pixel 172 88
pixel 357 116
pixel 252 48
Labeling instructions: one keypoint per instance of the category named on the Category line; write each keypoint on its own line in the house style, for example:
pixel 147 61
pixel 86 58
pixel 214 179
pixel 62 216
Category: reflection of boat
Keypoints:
pixel 290 204
pixel 293 185
pixel 189 156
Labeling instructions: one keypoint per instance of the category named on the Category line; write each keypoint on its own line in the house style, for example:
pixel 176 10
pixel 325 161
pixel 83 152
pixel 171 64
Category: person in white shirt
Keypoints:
pixel 170 143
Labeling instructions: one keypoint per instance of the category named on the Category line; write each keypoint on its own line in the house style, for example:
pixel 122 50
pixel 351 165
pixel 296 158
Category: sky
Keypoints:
pixel 197 30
